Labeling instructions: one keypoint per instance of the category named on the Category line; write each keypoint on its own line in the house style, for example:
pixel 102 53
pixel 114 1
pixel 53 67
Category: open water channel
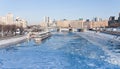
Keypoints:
pixel 60 51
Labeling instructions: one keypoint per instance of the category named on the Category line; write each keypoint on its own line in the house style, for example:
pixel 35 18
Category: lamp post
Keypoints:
pixel 2 31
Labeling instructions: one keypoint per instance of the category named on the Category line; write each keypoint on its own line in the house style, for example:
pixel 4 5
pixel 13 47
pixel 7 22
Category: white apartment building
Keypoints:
pixel 9 20
pixel 46 22
pixel 20 22
pixel 3 20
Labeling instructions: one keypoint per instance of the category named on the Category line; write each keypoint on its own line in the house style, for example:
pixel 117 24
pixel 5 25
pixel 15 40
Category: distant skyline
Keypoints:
pixel 34 10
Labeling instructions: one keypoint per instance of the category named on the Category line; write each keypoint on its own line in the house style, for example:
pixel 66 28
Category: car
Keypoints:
pixel 17 31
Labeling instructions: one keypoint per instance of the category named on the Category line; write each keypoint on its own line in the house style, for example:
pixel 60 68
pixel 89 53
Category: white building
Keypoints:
pixel 97 19
pixel 10 19
pixel 20 22
pixel 46 19
pixel 3 20
pixel 7 20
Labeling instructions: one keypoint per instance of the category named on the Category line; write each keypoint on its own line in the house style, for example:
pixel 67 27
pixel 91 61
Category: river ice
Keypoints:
pixel 86 50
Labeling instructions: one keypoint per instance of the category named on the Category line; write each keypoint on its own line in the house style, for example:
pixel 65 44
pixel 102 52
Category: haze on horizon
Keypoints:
pixel 34 10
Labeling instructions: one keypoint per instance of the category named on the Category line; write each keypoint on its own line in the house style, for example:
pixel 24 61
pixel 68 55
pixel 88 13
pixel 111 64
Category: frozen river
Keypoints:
pixel 60 51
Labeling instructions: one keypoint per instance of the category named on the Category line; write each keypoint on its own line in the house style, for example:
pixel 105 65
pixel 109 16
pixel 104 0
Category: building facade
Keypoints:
pixel 113 22
pixel 47 22
pixel 70 24
pixel 20 22
pixel 9 20
pixel 3 20
pixel 99 24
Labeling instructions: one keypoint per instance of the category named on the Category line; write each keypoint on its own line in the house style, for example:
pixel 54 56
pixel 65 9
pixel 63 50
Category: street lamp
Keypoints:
pixel 2 31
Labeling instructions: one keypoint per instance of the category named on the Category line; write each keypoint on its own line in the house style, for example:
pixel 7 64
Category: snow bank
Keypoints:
pixel 104 41
pixel 4 43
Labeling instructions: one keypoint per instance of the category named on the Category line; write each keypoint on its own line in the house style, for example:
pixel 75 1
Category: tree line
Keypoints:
pixel 10 30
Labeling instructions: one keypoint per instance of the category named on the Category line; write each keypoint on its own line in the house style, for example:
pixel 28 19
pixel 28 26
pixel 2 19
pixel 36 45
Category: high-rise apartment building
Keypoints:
pixel 114 22
pixel 3 20
pixel 7 20
pixel 112 18
pixel 119 14
pixel 96 19
pixel 10 19
pixel 47 20
pixel 119 18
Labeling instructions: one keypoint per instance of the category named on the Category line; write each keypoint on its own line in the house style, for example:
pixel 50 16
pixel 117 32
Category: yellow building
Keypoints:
pixel 98 24
pixel 70 23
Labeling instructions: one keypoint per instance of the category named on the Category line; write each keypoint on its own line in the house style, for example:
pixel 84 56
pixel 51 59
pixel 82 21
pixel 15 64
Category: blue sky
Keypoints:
pixel 35 10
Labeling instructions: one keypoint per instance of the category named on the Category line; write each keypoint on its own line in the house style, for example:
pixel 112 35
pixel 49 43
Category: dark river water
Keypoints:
pixel 60 51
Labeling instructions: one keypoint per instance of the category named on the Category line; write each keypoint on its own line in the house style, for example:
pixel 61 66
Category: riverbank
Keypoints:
pixel 117 33
pixel 4 42
pixel 107 42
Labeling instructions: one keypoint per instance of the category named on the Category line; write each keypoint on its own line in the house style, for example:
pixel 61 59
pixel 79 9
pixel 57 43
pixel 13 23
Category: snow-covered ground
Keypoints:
pixel 7 42
pixel 113 29
pixel 109 43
